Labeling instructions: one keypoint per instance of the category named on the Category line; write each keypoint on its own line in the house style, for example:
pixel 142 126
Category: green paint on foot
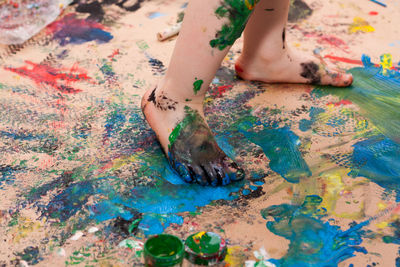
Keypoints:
pixel 191 116
pixel 237 12
pixel 197 85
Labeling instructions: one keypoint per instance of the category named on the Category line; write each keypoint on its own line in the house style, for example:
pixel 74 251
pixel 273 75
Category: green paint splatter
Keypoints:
pixel 197 85
pixel 238 12
pixel 191 116
pixel 377 95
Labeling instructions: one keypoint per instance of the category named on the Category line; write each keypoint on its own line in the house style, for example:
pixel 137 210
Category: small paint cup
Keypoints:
pixel 205 249
pixel 163 250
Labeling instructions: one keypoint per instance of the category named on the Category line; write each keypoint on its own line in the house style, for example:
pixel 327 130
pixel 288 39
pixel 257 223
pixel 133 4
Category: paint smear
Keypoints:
pixel 313 242
pixel 71 30
pixel 58 78
pixel 360 25
pixel 376 94
pixel 378 158
pixel 281 146
pixel 161 203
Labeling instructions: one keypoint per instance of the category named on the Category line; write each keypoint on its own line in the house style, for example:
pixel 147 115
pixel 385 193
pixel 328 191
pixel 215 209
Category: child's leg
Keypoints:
pixel 174 109
pixel 266 57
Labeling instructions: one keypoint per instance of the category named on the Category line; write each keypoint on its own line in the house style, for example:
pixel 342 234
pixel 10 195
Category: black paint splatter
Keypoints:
pixel 157 66
pixel 96 8
pixel 310 71
pixel 283 38
pixel 162 102
pixel 152 96
pixel 299 10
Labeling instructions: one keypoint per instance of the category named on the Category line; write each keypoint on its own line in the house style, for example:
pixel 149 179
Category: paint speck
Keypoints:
pixel 76 236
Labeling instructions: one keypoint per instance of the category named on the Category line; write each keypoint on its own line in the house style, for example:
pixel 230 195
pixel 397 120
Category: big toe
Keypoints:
pixel 337 78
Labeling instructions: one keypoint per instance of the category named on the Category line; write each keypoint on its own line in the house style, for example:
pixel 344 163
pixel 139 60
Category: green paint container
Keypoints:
pixel 163 250
pixel 205 248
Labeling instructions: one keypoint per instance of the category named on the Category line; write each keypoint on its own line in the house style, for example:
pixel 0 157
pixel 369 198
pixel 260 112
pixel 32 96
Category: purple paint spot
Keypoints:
pixel 70 29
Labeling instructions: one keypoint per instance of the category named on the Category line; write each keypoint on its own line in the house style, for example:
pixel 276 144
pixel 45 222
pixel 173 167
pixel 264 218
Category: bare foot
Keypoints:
pixel 187 140
pixel 287 67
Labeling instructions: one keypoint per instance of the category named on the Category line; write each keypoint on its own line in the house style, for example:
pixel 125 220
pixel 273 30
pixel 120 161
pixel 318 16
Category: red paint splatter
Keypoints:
pixel 60 79
pixel 333 41
pixel 219 91
pixel 324 39
pixel 343 59
pixel 373 13
pixel 341 103
pixel 114 53
pixel 238 68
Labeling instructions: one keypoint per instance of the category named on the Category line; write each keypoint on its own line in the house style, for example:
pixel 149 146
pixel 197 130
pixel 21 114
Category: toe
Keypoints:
pixel 342 79
pixel 211 174
pixel 183 171
pixel 201 175
pixel 232 170
pixel 222 176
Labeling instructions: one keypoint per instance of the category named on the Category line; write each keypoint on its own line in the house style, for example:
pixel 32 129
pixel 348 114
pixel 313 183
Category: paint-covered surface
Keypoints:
pixel 83 180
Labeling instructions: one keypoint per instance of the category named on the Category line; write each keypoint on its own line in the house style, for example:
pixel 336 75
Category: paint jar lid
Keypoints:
pixel 205 248
pixel 163 250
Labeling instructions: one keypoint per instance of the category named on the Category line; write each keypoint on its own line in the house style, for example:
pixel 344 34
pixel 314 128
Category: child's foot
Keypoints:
pixel 187 140
pixel 287 67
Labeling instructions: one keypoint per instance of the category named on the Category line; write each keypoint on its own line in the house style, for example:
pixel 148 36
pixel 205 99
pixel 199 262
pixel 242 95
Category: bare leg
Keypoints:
pixel 266 56
pixel 174 109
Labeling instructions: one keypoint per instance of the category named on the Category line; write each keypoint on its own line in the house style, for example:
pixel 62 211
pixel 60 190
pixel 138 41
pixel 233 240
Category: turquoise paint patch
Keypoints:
pixel 161 203
pixel 304 124
pixel 312 241
pixel 378 158
pixel 281 146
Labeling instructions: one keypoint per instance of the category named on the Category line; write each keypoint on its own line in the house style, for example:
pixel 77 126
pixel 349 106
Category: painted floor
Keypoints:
pixel 83 180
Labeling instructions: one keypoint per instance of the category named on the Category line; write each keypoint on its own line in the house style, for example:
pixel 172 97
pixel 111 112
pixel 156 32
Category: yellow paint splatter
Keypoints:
pixel 360 25
pixel 333 186
pixel 386 63
pixel 382 225
pixel 24 228
pixel 382 206
pixel 120 162
pixel 250 4
pixel 235 257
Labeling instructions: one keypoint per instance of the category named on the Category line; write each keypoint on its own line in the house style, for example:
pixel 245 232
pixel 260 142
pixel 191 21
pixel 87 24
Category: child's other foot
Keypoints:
pixel 187 140
pixel 287 67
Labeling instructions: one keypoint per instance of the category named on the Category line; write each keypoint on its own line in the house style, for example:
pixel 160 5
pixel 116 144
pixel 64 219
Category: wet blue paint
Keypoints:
pixel 304 124
pixel 378 158
pixel 313 242
pixel 281 146
pixel 160 204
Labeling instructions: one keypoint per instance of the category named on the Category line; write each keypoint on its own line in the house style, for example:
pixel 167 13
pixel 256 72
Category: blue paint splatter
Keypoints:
pixel 281 146
pixel 77 31
pixel 114 123
pixel 161 203
pixel 378 158
pixel 154 15
pixel 312 241
pixel 7 174
pixel 304 124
